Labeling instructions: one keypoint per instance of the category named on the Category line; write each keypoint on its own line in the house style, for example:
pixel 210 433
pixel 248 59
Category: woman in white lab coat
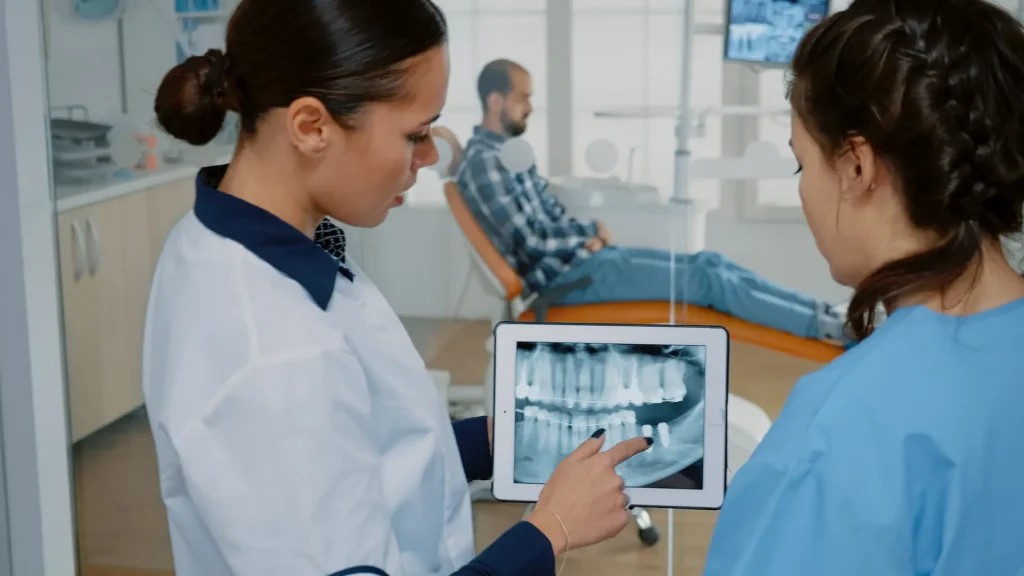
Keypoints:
pixel 297 430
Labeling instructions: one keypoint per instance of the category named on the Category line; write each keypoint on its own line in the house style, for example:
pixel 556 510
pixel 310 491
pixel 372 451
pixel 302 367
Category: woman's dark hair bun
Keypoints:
pixel 345 53
pixel 192 100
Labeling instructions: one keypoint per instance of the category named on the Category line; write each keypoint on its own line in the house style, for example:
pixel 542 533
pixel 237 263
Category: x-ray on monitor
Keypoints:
pixel 767 32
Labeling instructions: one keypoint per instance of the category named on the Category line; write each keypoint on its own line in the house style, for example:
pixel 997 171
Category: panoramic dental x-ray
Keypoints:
pixel 566 392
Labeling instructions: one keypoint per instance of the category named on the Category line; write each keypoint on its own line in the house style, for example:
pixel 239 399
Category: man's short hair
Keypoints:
pixel 496 77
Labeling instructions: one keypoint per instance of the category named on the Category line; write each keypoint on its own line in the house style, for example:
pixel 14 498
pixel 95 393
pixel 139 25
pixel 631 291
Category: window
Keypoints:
pixel 627 54
pixel 480 31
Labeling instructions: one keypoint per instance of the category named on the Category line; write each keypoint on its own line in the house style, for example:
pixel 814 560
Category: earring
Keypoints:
pixel 871 186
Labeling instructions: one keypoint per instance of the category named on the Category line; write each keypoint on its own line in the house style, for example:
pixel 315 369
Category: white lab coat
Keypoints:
pixel 293 439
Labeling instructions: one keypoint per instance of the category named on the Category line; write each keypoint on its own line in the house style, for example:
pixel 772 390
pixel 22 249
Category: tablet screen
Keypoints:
pixel 567 391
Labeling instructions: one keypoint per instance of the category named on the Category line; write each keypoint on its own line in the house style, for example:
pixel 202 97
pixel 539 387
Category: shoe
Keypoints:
pixel 832 323
pixel 840 308
pixel 480 491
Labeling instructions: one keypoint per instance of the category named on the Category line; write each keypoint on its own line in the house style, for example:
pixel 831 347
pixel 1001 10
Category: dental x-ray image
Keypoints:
pixel 768 31
pixel 566 392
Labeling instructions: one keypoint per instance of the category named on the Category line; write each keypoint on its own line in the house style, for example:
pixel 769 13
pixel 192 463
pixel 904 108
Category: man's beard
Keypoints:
pixel 512 128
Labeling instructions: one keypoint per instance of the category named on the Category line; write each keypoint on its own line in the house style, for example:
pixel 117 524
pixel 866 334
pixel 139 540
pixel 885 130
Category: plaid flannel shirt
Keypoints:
pixel 526 224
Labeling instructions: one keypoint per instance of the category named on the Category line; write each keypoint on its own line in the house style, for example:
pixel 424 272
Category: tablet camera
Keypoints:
pixel 566 392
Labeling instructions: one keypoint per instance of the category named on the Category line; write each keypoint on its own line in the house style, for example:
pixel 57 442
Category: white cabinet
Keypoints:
pixel 108 252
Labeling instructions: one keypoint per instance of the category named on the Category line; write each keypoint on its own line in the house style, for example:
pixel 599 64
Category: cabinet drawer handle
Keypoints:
pixel 78 241
pixel 95 250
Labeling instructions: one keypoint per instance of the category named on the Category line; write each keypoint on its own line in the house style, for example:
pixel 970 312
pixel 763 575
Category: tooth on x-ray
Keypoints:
pixel 564 393
pixel 592 381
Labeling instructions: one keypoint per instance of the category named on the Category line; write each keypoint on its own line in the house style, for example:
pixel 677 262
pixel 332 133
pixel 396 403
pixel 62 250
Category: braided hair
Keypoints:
pixel 934 86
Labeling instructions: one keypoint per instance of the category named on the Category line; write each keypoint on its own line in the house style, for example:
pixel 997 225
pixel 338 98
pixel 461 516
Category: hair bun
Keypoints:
pixel 192 100
pixel 216 76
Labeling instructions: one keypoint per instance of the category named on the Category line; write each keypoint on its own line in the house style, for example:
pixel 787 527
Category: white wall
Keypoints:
pixel 783 252
pixel 83 61
pixel 420 261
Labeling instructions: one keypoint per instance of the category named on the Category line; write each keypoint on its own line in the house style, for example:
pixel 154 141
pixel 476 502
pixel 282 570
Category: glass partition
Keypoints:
pixel 119 185
pixel 603 82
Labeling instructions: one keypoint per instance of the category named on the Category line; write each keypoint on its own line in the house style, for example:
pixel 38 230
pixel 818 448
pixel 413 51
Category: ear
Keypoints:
pixel 309 125
pixel 495 102
pixel 858 168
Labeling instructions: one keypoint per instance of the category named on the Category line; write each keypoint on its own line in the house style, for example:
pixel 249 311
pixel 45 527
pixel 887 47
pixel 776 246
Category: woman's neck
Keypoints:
pixel 989 282
pixel 270 184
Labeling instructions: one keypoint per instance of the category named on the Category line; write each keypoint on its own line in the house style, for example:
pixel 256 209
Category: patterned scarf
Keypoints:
pixel 332 240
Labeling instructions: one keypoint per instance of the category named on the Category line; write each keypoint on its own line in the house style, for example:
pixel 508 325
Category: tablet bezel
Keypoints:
pixel 715 339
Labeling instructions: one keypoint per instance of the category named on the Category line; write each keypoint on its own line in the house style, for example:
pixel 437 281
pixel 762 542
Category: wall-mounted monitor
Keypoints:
pixel 767 32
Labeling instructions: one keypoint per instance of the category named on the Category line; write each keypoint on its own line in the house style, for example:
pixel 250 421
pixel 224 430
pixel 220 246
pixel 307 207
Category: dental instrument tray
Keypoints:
pixel 556 384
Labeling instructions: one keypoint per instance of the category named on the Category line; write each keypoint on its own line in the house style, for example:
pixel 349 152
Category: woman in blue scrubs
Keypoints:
pixel 297 430
pixel 904 456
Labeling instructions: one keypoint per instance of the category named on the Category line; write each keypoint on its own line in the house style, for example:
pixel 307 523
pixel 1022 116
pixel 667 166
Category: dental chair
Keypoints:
pixel 502 280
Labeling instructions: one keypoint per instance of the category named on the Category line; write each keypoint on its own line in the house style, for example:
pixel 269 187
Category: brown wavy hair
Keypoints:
pixel 935 88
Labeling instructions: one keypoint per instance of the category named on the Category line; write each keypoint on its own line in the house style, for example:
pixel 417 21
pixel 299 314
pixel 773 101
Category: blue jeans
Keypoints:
pixel 705 279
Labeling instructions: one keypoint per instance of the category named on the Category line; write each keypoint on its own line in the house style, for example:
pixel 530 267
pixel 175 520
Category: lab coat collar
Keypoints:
pixel 273 240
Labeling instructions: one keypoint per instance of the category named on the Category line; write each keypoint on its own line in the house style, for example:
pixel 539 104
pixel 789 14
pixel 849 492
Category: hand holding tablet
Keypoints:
pixel 585 496
pixel 557 384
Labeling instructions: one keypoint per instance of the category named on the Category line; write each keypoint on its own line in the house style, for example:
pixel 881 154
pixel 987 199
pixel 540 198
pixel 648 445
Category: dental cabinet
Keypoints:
pixel 108 252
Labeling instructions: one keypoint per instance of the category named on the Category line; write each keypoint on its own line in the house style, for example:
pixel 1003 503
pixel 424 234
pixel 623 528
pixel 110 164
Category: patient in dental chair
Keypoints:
pixel 547 248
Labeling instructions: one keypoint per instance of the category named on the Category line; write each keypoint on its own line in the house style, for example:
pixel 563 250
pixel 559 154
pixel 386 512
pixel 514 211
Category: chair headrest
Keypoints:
pixel 448 138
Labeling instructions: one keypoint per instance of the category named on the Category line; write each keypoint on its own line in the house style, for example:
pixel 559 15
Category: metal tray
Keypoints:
pixel 78 129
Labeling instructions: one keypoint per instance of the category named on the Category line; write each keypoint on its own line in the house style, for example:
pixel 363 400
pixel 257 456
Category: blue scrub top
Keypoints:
pixel 905 456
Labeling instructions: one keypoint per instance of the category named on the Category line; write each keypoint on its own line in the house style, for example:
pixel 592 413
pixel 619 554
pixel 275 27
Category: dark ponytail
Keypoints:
pixel 934 87
pixel 192 100
pixel 346 53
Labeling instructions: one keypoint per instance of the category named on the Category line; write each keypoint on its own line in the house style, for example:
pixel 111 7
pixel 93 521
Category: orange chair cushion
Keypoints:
pixel 659 313
pixel 510 281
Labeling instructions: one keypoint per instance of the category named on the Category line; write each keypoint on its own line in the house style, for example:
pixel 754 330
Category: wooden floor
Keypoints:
pixel 122 526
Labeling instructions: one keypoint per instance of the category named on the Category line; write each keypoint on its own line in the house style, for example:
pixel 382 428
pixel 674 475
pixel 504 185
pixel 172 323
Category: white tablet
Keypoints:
pixel 557 384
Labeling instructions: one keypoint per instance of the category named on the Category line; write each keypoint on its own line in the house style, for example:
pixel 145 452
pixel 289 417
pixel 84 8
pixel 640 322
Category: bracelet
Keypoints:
pixel 564 529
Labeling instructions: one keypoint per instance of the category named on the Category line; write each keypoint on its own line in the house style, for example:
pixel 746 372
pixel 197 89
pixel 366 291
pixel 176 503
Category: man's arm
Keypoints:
pixel 491 190
pixel 556 210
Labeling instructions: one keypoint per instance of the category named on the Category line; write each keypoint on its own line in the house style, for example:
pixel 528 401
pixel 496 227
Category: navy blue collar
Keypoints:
pixel 273 240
